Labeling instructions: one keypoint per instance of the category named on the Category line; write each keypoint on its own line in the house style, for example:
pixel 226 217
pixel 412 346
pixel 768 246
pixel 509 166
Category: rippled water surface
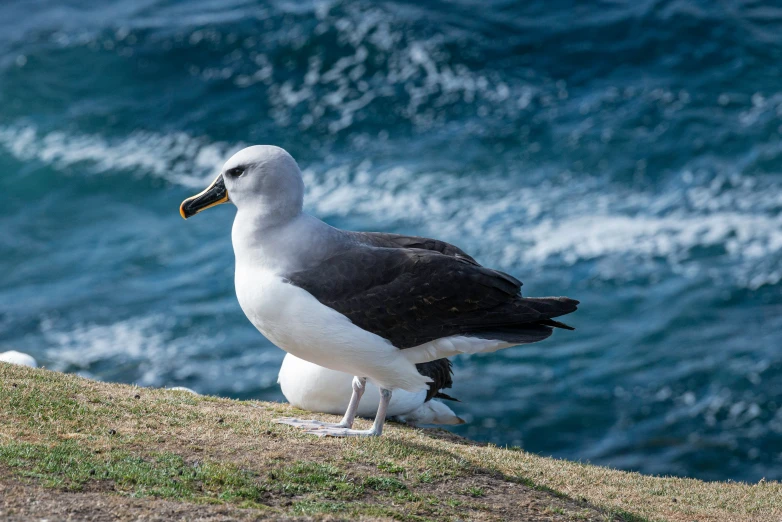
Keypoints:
pixel 626 154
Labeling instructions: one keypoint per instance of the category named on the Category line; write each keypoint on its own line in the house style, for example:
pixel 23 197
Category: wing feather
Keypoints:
pixel 411 296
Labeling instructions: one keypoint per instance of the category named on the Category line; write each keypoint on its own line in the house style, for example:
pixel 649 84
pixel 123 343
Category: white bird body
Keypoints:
pixel 299 324
pixel 22 359
pixel 296 322
pixel 183 389
pixel 318 389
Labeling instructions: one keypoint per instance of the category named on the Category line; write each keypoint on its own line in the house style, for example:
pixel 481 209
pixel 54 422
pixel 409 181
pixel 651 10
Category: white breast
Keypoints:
pixel 295 321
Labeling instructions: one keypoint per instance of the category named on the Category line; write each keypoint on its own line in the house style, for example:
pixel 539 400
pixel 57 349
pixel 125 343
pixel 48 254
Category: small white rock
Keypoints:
pixel 22 359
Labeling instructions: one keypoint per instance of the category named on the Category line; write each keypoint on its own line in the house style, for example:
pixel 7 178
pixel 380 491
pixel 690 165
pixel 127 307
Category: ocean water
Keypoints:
pixel 626 154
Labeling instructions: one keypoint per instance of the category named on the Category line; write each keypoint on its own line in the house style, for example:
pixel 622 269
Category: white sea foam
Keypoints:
pixel 178 158
pixel 140 341
pixel 589 237
pixel 555 223
pixel 413 67
pixel 149 351
pixel 567 223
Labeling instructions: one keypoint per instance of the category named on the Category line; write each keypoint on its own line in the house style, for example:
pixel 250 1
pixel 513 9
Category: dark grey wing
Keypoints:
pixel 383 239
pixel 441 374
pixel 413 296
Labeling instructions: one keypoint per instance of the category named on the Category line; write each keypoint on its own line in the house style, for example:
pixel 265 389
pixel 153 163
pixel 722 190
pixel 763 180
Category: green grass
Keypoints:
pixel 384 484
pixel 475 491
pixel 324 480
pixel 390 467
pixel 165 475
pixel 70 434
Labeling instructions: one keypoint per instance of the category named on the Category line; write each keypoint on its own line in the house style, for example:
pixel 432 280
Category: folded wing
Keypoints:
pixel 411 296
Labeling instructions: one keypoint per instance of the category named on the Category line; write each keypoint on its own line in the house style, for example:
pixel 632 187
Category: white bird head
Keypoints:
pixel 264 178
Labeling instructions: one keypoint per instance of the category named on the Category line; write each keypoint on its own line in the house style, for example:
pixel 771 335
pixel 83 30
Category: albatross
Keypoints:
pixel 315 388
pixel 373 305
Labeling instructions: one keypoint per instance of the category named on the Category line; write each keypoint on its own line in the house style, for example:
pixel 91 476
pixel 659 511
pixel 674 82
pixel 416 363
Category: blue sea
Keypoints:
pixel 623 153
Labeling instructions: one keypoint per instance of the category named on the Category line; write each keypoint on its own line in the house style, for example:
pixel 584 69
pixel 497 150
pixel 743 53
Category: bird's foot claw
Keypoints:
pixel 310 424
pixel 333 431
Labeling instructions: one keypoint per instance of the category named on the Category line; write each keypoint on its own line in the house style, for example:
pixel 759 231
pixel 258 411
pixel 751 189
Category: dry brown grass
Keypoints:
pixel 71 434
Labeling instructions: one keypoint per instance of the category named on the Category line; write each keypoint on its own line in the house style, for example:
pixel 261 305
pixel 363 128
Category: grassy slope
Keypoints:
pixel 71 434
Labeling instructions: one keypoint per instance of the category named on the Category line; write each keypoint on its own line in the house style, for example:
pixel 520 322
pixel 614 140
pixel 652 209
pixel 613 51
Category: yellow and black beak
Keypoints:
pixel 212 195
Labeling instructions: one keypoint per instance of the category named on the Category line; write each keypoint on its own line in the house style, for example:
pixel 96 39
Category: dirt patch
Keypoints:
pixel 494 498
pixel 484 498
pixel 23 503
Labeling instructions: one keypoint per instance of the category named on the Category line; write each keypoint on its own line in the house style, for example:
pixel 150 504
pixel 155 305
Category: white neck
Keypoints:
pixel 282 245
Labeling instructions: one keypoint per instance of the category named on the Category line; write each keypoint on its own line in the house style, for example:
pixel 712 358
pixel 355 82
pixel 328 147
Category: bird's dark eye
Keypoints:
pixel 235 172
